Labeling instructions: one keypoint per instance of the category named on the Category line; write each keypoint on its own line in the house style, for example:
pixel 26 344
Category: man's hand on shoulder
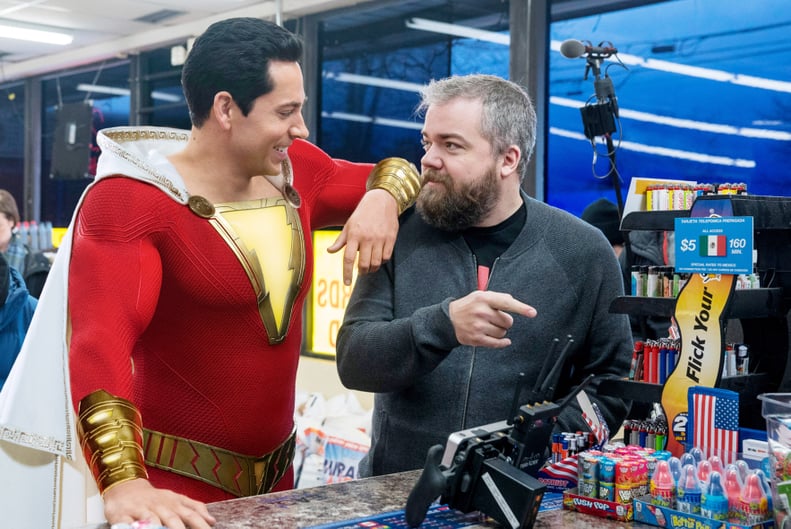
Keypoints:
pixel 138 500
pixel 369 234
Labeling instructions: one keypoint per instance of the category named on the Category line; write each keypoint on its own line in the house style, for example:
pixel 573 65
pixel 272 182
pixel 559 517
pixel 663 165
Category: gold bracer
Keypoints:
pixel 110 430
pixel 399 178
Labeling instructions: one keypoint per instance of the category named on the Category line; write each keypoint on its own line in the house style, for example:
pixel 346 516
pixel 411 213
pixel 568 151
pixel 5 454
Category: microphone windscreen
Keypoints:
pixel 572 49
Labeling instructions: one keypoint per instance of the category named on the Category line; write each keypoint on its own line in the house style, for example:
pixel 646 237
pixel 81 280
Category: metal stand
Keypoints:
pixel 599 120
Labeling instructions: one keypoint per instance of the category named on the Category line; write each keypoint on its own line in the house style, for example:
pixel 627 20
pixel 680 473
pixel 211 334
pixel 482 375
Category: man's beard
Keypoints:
pixel 450 207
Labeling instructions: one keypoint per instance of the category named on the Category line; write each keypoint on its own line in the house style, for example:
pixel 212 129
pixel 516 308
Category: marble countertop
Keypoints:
pixel 301 508
pixel 305 507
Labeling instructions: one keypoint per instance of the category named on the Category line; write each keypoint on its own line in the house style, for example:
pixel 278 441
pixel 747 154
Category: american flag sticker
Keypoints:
pixel 714 420
pixel 713 246
pixel 565 469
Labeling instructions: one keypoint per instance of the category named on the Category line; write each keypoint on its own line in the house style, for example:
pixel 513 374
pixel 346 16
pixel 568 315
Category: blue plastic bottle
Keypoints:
pixel 697 453
pixel 767 487
pixel 688 459
pixel 689 492
pixel 675 467
pixel 743 467
pixel 713 501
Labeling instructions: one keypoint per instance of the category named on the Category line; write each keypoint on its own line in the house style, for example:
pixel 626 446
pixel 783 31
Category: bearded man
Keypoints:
pixel 482 281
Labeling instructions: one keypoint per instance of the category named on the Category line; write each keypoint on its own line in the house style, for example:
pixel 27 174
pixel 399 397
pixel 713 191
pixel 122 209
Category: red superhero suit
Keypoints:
pixel 197 320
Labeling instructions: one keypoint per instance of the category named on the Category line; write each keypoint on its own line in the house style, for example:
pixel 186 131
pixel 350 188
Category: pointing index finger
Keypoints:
pixel 507 303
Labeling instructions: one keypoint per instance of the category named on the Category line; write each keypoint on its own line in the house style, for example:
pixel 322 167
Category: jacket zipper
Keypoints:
pixel 474 349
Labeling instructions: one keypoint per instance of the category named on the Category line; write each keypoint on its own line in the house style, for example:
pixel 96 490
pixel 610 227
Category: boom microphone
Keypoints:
pixel 572 49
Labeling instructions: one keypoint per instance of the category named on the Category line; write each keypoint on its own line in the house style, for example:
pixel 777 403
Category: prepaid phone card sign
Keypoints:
pixel 714 245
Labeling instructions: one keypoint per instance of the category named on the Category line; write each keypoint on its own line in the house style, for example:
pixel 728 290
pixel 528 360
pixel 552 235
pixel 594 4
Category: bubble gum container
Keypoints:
pixel 776 409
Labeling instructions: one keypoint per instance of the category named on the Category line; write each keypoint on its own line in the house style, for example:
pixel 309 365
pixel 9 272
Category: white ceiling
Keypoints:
pixel 106 28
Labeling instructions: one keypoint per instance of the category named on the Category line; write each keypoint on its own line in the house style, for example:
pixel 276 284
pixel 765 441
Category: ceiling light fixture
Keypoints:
pixel 343 77
pixel 35 35
pixel 114 90
pixel 457 30
pixel 359 118
pixel 655 150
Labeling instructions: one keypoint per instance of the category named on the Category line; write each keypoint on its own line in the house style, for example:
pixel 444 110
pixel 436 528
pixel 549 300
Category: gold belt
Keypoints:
pixel 234 473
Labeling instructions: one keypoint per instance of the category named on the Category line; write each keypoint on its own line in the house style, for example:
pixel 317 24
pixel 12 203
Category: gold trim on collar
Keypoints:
pixel 124 135
pixel 266 236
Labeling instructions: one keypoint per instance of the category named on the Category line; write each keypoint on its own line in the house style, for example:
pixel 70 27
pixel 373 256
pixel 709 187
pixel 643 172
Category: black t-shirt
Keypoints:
pixel 490 242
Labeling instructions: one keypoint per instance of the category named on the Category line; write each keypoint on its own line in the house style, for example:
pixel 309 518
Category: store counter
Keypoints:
pixel 356 499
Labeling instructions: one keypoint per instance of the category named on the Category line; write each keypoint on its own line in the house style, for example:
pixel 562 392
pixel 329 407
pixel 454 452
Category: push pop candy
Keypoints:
pixel 753 501
pixel 662 486
pixel 689 491
pixel 733 490
pixel 714 503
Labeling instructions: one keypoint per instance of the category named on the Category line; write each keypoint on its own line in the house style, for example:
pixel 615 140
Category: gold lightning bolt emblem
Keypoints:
pixel 266 235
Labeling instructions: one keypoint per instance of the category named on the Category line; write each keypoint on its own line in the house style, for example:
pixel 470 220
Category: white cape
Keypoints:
pixel 44 480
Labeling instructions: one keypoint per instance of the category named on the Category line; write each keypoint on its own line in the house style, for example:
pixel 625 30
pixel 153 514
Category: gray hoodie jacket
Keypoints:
pixel 397 339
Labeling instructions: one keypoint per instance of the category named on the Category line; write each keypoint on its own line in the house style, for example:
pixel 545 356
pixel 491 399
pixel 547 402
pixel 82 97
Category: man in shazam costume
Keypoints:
pixel 182 279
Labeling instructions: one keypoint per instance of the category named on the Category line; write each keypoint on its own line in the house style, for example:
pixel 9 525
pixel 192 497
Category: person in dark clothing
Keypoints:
pixel 646 248
pixel 604 215
pixel 16 311
pixel 482 282
pixel 12 245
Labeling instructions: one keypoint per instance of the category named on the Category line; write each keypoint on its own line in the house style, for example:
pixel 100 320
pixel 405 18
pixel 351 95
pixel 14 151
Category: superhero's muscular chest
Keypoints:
pixel 267 238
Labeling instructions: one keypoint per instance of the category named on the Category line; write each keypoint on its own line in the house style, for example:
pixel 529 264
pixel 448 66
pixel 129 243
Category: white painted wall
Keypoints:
pixel 318 375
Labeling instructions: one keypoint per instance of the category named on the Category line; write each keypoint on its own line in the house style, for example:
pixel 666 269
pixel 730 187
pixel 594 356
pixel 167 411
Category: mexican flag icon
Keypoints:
pixel 713 246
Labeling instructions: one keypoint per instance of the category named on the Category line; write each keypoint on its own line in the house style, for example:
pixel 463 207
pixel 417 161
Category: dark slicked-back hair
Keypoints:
pixel 233 55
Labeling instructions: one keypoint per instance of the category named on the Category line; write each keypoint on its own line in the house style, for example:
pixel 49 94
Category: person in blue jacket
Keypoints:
pixel 16 311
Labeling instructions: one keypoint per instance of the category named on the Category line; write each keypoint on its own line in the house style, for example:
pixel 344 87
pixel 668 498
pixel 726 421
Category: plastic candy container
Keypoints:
pixel 753 501
pixel 713 501
pixel 689 491
pixel 663 488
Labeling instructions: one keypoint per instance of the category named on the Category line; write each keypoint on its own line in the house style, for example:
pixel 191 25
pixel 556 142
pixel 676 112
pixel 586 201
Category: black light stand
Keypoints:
pixel 599 119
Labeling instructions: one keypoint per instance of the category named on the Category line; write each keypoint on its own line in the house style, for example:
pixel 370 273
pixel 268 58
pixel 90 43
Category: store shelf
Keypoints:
pixel 652 220
pixel 747 386
pixel 643 306
pixel 631 390
pixel 748 303
pixel 757 303
pixel 767 212
pixel 763 312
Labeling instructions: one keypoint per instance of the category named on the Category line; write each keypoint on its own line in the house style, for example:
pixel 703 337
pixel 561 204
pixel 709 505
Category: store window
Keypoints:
pixel 372 71
pixel 162 100
pixel 703 89
pixel 76 105
pixel 12 136
pixel 371 75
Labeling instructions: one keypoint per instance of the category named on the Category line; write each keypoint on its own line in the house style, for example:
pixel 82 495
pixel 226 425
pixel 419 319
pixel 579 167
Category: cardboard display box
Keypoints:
pixel 604 509
pixel 646 512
